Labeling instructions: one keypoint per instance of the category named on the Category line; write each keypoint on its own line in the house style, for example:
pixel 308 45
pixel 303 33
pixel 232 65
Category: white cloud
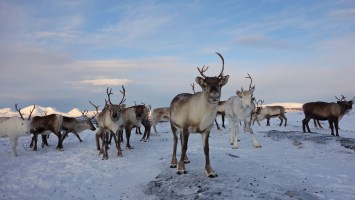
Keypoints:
pixel 104 82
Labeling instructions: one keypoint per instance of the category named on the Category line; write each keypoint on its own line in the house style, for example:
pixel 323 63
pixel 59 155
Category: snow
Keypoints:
pixel 290 165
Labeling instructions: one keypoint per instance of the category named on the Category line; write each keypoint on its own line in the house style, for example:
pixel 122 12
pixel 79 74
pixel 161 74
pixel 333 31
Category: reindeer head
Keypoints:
pixel 247 95
pixel 88 119
pixel 211 86
pixel 348 105
pixel 115 109
pixel 139 110
pixel 25 123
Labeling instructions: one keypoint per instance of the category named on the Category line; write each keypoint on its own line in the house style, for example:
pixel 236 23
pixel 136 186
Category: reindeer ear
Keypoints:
pixel 239 93
pixel 201 81
pixel 223 80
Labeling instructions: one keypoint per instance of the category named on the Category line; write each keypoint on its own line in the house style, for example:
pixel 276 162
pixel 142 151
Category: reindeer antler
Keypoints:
pixel 342 98
pixel 251 81
pixel 108 95
pixel 202 71
pixel 96 107
pixel 84 114
pixel 29 117
pixel 19 111
pixel 221 74
pixel 123 92
pixel 193 87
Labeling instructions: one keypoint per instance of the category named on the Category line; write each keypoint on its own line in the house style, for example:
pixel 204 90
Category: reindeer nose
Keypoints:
pixel 214 97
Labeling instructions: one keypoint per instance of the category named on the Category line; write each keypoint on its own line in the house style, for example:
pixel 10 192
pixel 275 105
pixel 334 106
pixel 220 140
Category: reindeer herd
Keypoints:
pixel 187 113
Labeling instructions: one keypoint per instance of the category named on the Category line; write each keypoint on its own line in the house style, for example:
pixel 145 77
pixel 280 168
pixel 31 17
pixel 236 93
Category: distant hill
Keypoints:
pixel 41 111
pixel 290 107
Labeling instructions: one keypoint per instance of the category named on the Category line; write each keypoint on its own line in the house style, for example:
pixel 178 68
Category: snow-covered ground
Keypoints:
pixel 290 165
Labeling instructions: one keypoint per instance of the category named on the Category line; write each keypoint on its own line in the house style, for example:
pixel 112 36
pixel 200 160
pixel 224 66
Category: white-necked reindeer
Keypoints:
pixel 239 109
pixel 196 113
pixel 110 120
pixel 15 127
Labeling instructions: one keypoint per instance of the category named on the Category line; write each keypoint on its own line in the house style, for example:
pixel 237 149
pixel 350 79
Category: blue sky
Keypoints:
pixel 64 53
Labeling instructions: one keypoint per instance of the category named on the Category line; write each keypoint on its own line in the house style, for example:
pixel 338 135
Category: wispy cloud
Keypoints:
pixel 103 82
pixel 262 41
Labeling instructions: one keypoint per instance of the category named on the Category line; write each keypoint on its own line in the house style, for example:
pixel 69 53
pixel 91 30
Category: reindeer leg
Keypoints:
pixel 35 135
pixel 250 130
pixel 77 135
pixel 118 143
pixel 184 142
pixel 173 162
pixel 281 119
pixel 208 169
pixel 13 142
pixel 97 137
pixel 128 136
pixel 223 121
pixel 105 138
pixel 217 124
pixel 32 141
pixel 336 124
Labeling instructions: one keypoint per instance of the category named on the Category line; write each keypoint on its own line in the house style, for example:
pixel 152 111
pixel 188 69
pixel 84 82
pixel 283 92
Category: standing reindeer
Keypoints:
pixel 71 124
pixel 268 112
pixel 110 120
pixel 239 108
pixel 15 127
pixel 196 113
pixel 332 112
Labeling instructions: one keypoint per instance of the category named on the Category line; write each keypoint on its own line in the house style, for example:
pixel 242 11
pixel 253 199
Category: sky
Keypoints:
pixel 64 53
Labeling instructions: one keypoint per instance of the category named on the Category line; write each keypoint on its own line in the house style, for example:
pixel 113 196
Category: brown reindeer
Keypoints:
pixel 52 122
pixel 196 113
pixel 332 112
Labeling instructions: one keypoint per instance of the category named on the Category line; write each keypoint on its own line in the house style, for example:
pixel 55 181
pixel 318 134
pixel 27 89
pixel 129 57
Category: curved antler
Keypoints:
pixel 221 74
pixel 96 107
pixel 123 91
pixel 19 111
pixel 251 81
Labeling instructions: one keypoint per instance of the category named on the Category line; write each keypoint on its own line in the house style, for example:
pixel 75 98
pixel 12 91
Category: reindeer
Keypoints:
pixel 110 121
pixel 132 117
pixel 71 124
pixel 196 113
pixel 158 115
pixel 239 108
pixel 332 112
pixel 15 127
pixel 52 122
pixel 268 112
pixel 147 123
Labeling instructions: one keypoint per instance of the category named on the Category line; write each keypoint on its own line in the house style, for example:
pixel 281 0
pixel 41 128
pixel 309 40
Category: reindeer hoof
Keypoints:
pixel 186 161
pixel 173 166
pixel 181 172
pixel 211 174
